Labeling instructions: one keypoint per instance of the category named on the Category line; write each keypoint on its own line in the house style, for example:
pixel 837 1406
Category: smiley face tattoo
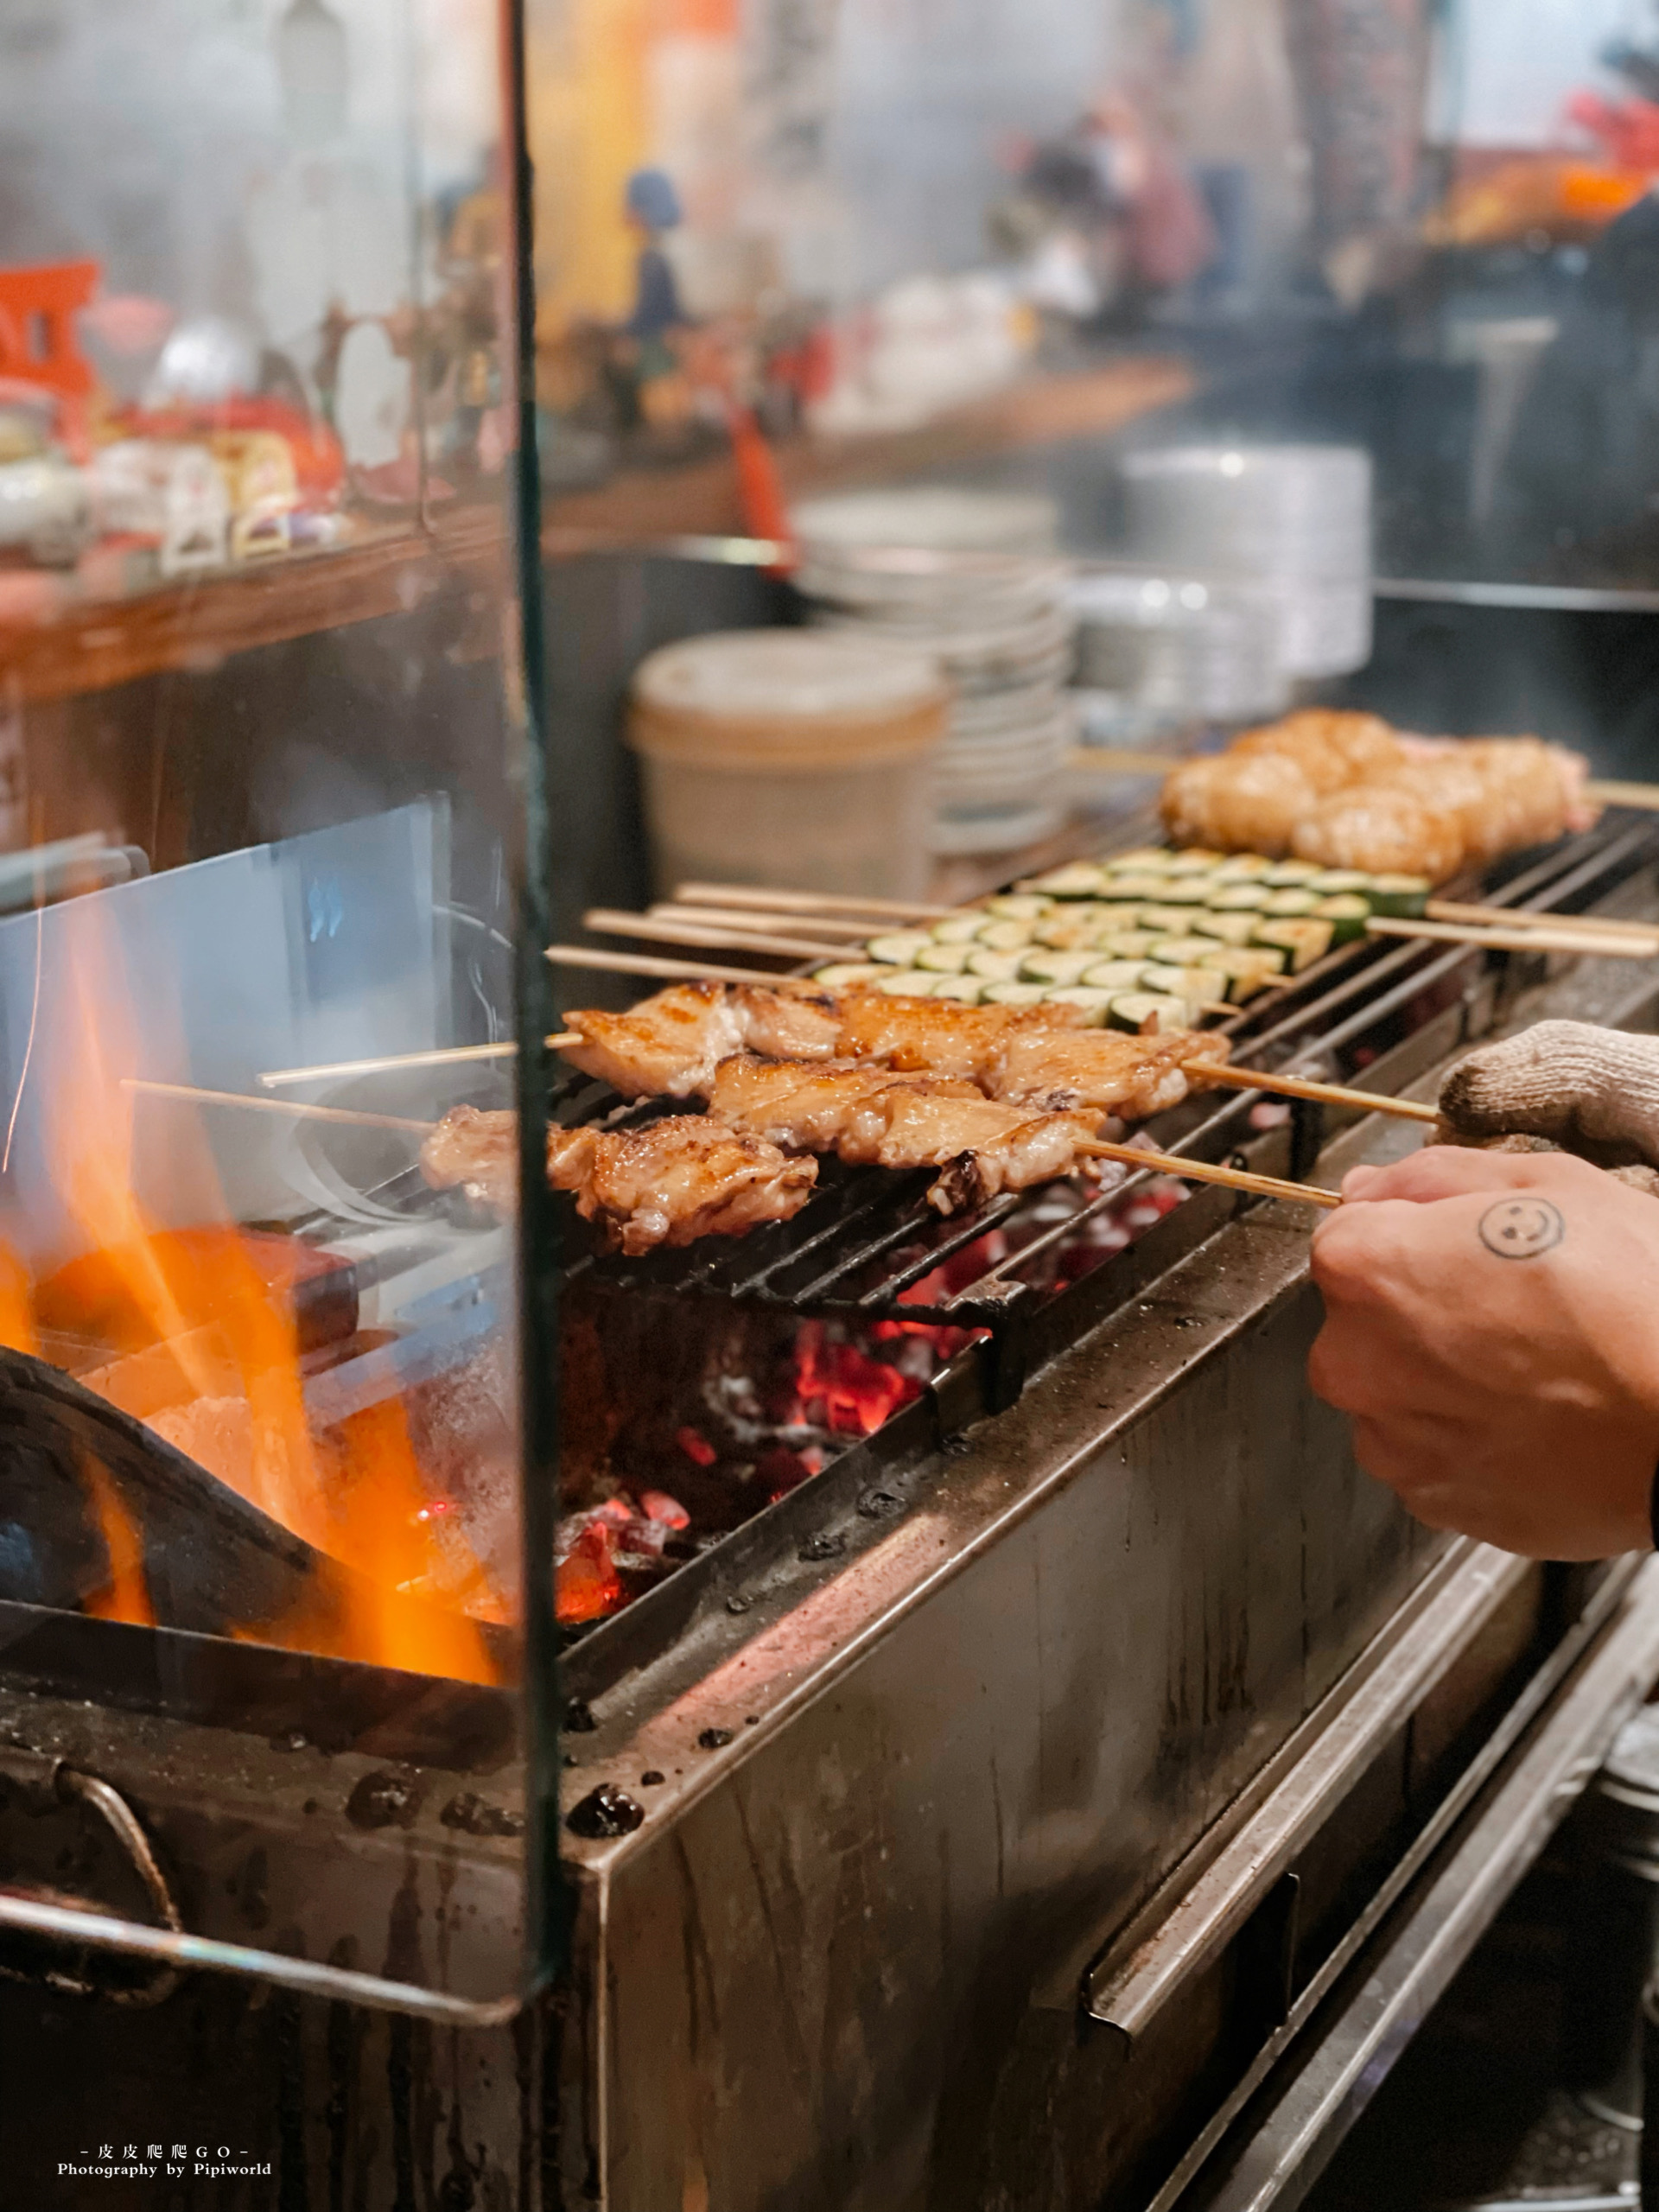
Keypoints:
pixel 1521 1229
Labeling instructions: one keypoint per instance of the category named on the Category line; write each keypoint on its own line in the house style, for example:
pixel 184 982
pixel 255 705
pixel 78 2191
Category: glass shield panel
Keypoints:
pixel 262 891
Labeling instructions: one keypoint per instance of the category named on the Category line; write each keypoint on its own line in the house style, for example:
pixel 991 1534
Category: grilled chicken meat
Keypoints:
pixel 1383 828
pixel 1247 805
pixel 1130 1077
pixel 477 1150
pixel 933 1037
pixel 872 1118
pixel 673 1181
pixel 670 1044
pixel 669 1182
pixel 1344 791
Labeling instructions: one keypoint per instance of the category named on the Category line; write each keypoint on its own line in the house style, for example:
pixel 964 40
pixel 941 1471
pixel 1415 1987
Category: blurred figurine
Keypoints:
pixel 652 206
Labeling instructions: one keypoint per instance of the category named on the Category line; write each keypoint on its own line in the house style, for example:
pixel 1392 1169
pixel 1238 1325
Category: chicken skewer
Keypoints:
pixel 869 1117
pixel 669 1182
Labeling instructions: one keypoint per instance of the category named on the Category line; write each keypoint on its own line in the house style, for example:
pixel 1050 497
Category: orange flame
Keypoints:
pixel 126 1596
pixel 204 1324
pixel 17 1329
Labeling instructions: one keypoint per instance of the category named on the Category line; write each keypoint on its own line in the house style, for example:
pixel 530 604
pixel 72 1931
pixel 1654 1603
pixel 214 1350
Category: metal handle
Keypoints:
pixel 1124 1995
pixel 71 1786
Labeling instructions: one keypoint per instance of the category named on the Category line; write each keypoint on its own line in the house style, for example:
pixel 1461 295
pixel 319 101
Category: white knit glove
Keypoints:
pixel 1592 1091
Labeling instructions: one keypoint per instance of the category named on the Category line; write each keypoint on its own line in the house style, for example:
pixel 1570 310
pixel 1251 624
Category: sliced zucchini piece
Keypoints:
pixel 1148 1014
pixel 845 974
pixel 1226 929
pixel 1289 876
pixel 1337 882
pixel 1008 937
pixel 1199 987
pixel 1120 889
pixel 1305 941
pixel 1053 967
pixel 994 967
pixel 1239 898
pixel 1018 906
pixel 1077 880
pixel 1127 944
pixel 1113 976
pixel 1187 891
pixel 1167 918
pixel 898 949
pixel 969 989
pixel 1096 1005
pixel 944 959
pixel 1186 952
pixel 1289 905
pixel 1152 860
pixel 906 983
pixel 1347 914
pixel 1015 994
pixel 1264 962
pixel 1399 895
pixel 958 929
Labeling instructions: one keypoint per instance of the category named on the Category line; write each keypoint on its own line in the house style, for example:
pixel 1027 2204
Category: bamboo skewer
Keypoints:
pixel 290 1108
pixel 608 922
pixel 1514 940
pixel 1203 1171
pixel 1323 1093
pixel 1526 918
pixel 644 963
pixel 754 917
pixel 441 1056
pixel 1644 796
pixel 804 902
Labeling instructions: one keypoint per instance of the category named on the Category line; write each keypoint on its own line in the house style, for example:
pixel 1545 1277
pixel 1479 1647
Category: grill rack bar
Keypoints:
pixel 873 1215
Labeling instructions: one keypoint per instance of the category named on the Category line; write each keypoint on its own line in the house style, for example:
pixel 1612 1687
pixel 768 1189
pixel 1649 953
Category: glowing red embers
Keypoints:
pixel 841 1389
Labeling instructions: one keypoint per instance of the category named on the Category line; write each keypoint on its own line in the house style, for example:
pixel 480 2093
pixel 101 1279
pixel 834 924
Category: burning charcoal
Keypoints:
pixel 385 1801
pixel 604 1813
pixel 656 1505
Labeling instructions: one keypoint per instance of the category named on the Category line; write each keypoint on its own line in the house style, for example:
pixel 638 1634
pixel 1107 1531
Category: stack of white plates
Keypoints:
pixel 1158 653
pixel 968 578
pixel 1296 518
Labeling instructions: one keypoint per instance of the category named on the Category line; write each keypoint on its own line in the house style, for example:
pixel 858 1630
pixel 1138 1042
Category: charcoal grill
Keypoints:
pixel 904 1821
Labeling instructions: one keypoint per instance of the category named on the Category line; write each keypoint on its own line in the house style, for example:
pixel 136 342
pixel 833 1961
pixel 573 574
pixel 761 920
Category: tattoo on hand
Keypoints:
pixel 1521 1229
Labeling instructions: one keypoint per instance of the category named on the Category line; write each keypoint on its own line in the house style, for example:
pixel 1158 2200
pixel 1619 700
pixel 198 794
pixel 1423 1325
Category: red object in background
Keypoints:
pixel 319 463
pixel 1627 130
pixel 38 345
pixel 760 487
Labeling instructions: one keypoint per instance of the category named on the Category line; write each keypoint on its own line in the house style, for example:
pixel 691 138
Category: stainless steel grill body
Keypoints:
pixel 950 1743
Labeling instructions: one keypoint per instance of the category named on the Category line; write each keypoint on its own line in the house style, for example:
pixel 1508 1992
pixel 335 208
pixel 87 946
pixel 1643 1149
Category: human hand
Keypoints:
pixel 1493 1328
